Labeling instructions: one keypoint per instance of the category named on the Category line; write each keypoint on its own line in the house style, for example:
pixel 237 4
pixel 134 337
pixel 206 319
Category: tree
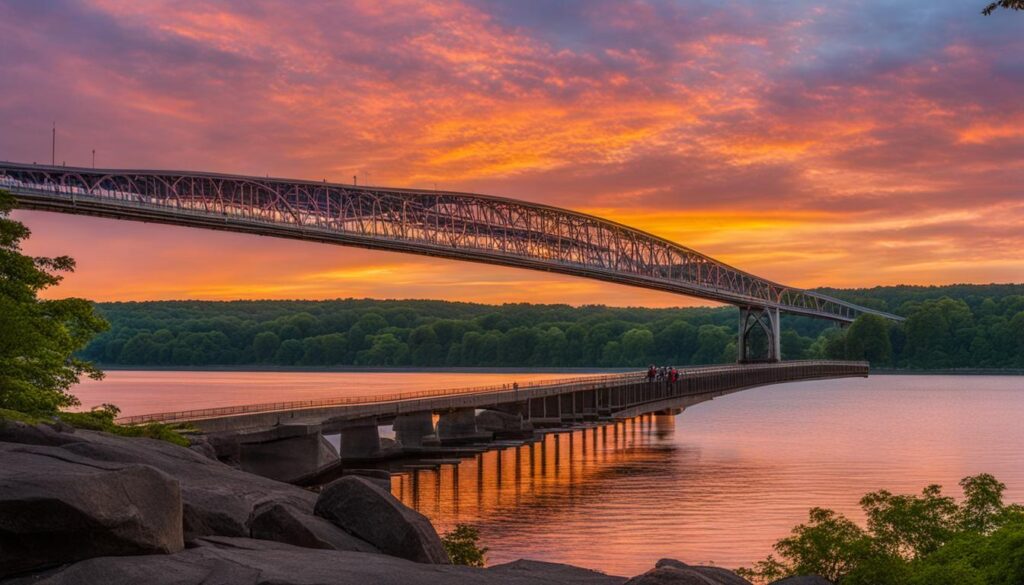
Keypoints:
pixel 265 345
pixel 676 342
pixel 983 502
pixel 637 345
pixel 290 352
pixel 1009 4
pixel 794 345
pixel 550 347
pixel 829 545
pixel 424 346
pixel 909 525
pixel 711 343
pixel 385 350
pixel 868 339
pixel 939 334
pixel 38 338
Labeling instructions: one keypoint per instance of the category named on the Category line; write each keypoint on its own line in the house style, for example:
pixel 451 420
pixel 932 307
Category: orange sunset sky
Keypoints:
pixel 840 143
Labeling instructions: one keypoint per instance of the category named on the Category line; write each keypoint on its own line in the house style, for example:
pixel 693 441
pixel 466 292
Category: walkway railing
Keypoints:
pixel 562 384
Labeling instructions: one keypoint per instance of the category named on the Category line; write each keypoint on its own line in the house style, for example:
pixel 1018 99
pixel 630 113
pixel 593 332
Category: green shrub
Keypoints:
pixel 462 546
pixel 102 419
pixel 910 540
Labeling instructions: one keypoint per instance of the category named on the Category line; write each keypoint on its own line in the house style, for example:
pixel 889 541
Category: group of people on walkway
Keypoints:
pixel 664 373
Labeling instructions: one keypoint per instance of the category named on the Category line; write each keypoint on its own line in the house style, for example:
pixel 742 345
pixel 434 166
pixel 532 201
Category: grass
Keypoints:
pixel 103 420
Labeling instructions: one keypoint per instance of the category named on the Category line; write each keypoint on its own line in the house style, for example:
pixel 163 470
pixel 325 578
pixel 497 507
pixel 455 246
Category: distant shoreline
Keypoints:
pixel 510 370
pixel 371 369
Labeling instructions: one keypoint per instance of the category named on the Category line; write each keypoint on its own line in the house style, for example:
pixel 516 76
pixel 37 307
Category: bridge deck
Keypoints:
pixel 611 393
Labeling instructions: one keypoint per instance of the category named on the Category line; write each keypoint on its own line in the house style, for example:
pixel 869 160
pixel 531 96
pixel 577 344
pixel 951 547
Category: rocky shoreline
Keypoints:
pixel 82 506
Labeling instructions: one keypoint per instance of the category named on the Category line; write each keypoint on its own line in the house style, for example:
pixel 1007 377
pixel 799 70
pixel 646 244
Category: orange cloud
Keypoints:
pixel 813 147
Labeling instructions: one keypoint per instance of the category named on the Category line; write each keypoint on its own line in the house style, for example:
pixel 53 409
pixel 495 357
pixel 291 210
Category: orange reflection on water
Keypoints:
pixel 560 466
pixel 723 481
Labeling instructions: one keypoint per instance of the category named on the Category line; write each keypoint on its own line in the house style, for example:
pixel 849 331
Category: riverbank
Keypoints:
pixel 366 369
pixel 508 370
pixel 89 507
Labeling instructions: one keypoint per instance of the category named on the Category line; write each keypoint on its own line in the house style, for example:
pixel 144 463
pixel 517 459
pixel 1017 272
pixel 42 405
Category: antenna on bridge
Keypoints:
pixel 353 180
pixel 53 145
pixel 94 158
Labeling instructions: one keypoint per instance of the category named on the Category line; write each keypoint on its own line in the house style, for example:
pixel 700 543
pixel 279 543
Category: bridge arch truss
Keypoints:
pixel 460 226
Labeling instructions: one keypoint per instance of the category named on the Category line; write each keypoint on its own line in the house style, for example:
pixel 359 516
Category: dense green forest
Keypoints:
pixel 959 326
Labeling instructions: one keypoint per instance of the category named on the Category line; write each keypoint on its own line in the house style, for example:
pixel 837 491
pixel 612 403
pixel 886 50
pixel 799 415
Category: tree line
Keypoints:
pixel 946 327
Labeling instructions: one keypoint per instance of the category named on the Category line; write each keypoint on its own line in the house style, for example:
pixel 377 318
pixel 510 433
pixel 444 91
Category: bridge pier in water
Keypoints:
pixel 360 439
pixel 458 425
pixel 288 453
pixel 415 429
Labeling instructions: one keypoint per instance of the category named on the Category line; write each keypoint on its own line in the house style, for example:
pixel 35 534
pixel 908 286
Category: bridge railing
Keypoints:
pixel 203 413
pixel 563 384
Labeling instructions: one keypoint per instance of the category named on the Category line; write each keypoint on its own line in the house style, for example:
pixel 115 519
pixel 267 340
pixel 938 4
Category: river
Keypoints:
pixel 718 483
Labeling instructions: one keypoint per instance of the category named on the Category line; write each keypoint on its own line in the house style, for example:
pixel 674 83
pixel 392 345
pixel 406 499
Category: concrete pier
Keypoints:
pixel 415 429
pixel 287 458
pixel 360 440
pixel 458 425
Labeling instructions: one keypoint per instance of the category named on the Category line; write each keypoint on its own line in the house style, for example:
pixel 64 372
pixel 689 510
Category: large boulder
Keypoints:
pixel 26 434
pixel 239 561
pixel 720 575
pixel 673 572
pixel 371 513
pixel 381 477
pixel 57 508
pixel 282 523
pixel 802 580
pixel 554 573
pixel 217 499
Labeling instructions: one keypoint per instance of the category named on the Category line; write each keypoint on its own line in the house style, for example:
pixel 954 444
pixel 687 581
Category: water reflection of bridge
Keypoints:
pixel 540 475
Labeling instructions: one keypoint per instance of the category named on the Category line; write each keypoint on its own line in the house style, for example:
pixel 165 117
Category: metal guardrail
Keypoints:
pixel 568 385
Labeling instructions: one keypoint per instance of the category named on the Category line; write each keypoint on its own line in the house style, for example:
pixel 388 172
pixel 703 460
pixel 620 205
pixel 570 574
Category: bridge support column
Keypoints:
pixel 415 429
pixel 360 440
pixel 459 425
pixel 753 320
pixel 288 457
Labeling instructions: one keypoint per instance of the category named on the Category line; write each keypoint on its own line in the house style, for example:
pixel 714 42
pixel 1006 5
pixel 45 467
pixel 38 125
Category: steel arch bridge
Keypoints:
pixel 461 226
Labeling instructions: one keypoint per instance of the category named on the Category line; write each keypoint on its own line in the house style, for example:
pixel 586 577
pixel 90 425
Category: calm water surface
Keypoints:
pixel 724 480
pixel 718 483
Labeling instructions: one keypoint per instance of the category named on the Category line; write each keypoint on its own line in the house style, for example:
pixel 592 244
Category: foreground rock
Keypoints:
pixel 361 507
pixel 216 499
pixel 718 574
pixel 57 508
pixel 282 523
pixel 673 572
pixel 812 580
pixel 239 561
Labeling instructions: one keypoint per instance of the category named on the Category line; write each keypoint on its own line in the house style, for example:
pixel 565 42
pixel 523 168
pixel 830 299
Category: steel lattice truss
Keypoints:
pixel 452 225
